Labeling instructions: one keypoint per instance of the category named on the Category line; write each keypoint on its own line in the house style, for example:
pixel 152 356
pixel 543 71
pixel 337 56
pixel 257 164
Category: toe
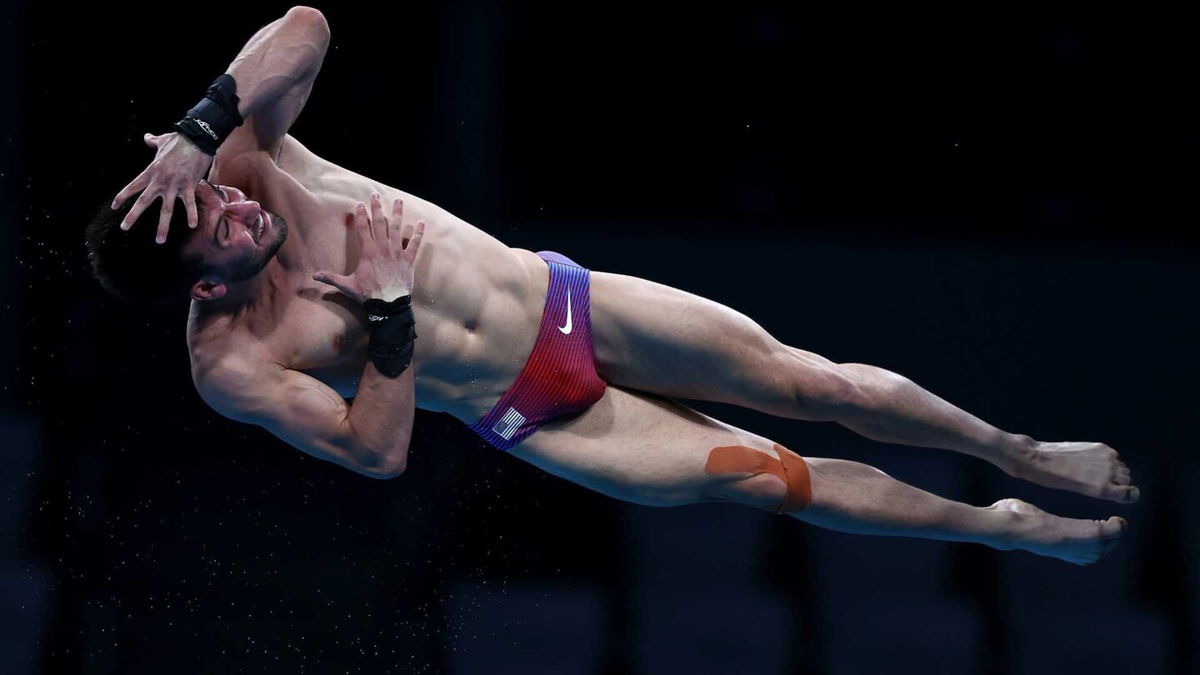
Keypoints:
pixel 1132 494
pixel 1110 534
pixel 1113 528
pixel 1125 494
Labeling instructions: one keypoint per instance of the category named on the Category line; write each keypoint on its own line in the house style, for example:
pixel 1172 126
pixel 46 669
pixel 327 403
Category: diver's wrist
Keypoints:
pixel 392 294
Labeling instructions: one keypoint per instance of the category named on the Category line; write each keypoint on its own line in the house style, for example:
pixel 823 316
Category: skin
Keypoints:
pixel 477 321
pixel 235 233
pixel 284 349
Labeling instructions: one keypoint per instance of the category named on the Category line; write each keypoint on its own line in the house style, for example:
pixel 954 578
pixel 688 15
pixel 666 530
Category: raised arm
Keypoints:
pixel 274 74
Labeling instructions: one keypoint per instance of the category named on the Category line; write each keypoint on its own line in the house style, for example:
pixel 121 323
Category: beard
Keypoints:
pixel 252 266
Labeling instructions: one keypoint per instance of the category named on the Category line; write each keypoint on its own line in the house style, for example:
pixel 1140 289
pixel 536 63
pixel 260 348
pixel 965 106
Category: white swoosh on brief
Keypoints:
pixel 566 330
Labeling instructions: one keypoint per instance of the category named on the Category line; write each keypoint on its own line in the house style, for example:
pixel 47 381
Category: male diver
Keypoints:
pixel 310 283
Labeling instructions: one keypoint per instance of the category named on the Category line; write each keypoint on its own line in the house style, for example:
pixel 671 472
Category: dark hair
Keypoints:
pixel 130 265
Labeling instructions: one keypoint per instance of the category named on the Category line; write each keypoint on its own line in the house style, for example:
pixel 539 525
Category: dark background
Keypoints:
pixel 999 206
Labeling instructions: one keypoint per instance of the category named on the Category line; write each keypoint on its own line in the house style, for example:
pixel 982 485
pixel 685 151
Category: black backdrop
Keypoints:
pixel 999 206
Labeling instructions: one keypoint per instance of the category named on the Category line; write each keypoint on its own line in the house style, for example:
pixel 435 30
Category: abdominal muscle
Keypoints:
pixel 465 362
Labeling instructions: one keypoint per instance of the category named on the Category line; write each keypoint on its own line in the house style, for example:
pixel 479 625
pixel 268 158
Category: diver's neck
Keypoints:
pixel 249 295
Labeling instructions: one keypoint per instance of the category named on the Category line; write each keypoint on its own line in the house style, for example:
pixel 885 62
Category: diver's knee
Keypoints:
pixel 807 386
pixel 765 491
pixel 780 484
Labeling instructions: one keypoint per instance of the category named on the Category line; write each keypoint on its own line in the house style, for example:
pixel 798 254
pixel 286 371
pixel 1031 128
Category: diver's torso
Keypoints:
pixel 477 302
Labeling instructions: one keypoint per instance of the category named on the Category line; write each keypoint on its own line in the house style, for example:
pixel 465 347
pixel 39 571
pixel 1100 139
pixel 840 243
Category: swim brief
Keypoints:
pixel 559 378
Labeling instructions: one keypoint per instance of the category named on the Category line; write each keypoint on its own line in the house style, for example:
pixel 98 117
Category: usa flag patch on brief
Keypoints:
pixel 508 425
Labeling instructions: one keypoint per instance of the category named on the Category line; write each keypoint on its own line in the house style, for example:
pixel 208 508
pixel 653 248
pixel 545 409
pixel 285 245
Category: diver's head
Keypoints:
pixel 233 241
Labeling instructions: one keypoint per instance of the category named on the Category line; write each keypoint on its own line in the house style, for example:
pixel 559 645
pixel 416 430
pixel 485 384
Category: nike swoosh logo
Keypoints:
pixel 566 330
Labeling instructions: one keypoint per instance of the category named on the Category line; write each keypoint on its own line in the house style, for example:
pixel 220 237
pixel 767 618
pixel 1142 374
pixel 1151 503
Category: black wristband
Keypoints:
pixel 210 121
pixel 391 330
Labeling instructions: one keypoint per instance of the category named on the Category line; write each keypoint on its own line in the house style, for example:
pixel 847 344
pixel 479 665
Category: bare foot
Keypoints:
pixel 1093 469
pixel 1071 539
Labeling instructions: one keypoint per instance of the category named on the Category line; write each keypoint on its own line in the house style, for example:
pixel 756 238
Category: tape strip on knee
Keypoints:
pixel 790 468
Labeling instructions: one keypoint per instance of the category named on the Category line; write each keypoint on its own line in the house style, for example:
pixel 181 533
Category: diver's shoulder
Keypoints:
pixel 294 156
pixel 223 370
pixel 217 346
pixel 235 159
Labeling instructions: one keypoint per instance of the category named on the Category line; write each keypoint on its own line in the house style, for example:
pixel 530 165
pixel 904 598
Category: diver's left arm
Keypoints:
pixel 274 74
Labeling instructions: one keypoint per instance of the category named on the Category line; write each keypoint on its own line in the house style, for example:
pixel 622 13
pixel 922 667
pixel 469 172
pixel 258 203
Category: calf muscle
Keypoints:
pixel 858 498
pixel 897 410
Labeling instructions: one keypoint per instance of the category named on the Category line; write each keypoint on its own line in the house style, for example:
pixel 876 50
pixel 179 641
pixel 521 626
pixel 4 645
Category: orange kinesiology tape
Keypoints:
pixel 790 468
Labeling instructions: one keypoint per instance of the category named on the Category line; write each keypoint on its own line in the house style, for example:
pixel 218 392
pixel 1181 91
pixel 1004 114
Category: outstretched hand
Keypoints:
pixel 385 266
pixel 177 168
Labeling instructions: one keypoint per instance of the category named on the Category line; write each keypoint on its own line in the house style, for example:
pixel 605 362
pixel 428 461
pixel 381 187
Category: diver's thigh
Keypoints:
pixel 636 447
pixel 662 340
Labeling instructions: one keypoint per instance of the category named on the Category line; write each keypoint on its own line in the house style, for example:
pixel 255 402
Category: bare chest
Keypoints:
pixel 324 337
pixel 476 302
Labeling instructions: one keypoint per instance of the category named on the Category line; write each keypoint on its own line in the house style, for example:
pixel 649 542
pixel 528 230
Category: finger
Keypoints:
pixel 338 281
pixel 415 242
pixel 150 140
pixel 164 217
pixel 143 202
pixel 362 225
pixel 378 222
pixel 394 225
pixel 135 186
pixel 189 204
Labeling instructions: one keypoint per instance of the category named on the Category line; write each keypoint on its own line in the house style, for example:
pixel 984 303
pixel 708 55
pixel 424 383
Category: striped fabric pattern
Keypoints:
pixel 560 376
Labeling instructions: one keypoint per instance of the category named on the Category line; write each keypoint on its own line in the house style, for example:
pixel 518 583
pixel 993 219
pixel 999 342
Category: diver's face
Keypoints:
pixel 236 236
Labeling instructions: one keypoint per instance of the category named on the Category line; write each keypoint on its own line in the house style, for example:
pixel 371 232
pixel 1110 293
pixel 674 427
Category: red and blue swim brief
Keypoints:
pixel 559 378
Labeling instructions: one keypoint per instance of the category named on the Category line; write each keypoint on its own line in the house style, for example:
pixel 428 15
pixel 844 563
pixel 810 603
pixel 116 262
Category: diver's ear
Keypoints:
pixel 208 289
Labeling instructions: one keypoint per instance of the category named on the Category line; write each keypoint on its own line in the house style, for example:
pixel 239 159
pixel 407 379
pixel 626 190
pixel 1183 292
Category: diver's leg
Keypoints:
pixel 662 340
pixel 853 497
pixel 648 450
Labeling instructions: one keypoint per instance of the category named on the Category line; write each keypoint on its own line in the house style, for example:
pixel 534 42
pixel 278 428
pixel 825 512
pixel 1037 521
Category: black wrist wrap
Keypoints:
pixel 211 120
pixel 391 327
